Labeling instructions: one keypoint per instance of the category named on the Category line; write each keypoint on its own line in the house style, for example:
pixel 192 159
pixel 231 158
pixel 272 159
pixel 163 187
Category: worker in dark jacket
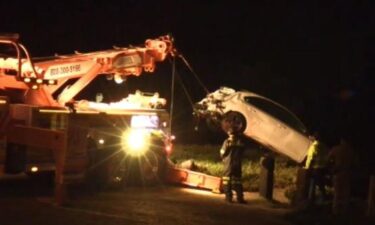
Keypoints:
pixel 231 154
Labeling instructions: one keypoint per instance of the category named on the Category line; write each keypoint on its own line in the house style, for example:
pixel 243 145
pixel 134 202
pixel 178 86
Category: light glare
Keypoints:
pixel 136 141
pixel 144 121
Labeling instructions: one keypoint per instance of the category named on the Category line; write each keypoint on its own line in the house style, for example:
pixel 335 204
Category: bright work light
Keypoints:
pixel 136 141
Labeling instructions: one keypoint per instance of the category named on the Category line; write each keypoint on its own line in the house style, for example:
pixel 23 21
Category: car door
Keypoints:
pixel 275 127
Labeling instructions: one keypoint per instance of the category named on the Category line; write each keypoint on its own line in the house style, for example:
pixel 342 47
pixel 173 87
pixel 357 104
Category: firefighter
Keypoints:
pixel 231 154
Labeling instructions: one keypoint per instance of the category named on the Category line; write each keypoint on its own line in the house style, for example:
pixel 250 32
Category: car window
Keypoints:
pixel 276 111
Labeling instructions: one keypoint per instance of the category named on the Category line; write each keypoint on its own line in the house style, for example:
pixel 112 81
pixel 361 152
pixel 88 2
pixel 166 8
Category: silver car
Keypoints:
pixel 259 118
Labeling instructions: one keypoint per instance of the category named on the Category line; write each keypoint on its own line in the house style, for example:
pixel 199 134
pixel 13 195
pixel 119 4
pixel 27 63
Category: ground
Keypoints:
pixel 27 202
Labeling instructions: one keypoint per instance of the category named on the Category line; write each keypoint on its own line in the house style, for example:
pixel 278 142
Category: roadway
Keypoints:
pixel 25 201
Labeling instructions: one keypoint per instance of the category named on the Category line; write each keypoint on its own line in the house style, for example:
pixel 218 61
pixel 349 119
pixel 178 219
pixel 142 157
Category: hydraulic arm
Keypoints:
pixel 40 78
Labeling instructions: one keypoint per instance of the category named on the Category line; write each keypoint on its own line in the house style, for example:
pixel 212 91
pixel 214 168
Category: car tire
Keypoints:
pixel 233 121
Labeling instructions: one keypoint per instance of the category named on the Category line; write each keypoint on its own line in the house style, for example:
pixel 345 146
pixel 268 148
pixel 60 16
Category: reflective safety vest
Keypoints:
pixel 317 156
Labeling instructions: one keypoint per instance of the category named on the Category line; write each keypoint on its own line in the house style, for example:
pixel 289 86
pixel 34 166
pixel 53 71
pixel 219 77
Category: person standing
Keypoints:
pixel 341 157
pixel 317 167
pixel 231 154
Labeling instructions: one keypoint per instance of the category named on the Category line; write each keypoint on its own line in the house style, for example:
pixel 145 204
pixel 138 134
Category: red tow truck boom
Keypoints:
pixel 40 78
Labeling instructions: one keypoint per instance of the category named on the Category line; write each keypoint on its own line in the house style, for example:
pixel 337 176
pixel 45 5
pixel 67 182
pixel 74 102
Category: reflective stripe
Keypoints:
pixel 310 155
pixel 231 180
pixel 226 178
pixel 236 182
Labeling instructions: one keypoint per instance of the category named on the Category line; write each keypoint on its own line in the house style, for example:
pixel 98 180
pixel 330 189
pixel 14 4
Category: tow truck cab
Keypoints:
pixel 98 143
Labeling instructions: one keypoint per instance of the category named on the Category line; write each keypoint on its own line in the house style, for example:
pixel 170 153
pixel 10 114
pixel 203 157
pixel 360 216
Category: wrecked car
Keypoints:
pixel 259 118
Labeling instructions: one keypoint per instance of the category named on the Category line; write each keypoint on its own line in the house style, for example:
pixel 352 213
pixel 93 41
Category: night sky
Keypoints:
pixel 315 57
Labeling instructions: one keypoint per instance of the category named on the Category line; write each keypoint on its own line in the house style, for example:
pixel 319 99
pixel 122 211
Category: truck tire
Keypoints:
pixel 153 166
pixel 145 170
pixel 99 173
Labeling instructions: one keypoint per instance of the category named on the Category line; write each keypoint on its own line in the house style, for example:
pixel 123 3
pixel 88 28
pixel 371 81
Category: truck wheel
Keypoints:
pixel 99 171
pixel 145 170
pixel 152 167
pixel 15 158
pixel 233 121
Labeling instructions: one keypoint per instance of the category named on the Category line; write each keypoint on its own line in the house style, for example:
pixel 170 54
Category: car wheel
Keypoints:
pixel 233 121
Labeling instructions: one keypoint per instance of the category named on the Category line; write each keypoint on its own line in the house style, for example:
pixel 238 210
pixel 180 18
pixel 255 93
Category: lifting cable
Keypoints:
pixel 185 90
pixel 173 61
pixel 174 74
pixel 193 72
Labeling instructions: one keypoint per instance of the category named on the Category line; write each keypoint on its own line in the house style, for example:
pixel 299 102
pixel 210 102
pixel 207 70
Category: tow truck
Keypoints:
pixel 44 128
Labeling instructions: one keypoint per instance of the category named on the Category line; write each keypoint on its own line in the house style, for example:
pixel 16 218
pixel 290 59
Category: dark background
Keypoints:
pixel 315 57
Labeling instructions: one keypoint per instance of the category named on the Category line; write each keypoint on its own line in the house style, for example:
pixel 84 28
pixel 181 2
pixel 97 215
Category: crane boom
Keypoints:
pixel 40 78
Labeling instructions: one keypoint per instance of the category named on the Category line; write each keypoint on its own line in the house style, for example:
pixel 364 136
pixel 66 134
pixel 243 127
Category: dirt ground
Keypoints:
pixel 28 202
